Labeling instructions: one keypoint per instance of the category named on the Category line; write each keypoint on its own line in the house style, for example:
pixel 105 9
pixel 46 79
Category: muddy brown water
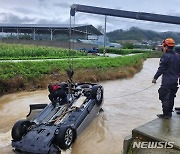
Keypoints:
pixel 106 133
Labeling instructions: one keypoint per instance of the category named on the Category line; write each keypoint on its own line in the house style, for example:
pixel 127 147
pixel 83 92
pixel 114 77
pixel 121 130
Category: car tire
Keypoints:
pixel 65 137
pixel 97 94
pixel 20 129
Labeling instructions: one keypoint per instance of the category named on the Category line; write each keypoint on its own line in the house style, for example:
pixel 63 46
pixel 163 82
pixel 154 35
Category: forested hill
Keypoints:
pixel 141 34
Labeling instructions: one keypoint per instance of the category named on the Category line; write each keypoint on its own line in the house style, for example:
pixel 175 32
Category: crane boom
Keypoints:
pixel 125 14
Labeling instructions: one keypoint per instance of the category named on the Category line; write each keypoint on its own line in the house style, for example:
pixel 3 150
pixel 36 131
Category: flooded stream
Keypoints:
pixel 106 133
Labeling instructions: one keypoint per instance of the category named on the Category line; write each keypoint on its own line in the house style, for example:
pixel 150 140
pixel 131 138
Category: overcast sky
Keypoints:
pixel 57 12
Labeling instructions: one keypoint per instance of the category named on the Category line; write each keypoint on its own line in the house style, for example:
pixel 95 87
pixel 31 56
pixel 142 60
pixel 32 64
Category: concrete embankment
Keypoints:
pixel 159 136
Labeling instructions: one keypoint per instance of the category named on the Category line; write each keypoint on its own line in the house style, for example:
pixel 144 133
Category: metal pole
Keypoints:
pixel 74 33
pixel 2 33
pixel 104 51
pixel 70 36
pixel 17 33
pixel 86 33
pixel 34 34
pixel 51 35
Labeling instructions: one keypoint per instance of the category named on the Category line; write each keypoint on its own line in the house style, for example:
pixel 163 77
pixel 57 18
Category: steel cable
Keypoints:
pixel 132 93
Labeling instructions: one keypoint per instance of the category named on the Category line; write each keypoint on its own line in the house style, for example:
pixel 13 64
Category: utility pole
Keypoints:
pixel 104 51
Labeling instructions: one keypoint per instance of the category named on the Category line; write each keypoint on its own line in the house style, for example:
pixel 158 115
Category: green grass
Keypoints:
pixel 17 51
pixel 30 70
pixel 30 52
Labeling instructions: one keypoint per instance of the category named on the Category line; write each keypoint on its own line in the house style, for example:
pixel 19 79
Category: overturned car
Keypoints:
pixel 50 128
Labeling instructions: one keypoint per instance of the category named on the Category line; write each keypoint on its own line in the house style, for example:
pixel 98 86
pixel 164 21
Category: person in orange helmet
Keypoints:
pixel 169 68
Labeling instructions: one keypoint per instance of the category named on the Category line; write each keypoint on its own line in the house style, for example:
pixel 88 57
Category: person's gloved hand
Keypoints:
pixel 154 81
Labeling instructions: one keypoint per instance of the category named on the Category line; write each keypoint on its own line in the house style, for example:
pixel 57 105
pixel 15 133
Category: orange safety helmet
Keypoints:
pixel 169 42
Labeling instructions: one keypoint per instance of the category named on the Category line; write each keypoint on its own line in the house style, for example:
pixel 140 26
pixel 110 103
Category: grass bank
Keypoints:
pixel 37 75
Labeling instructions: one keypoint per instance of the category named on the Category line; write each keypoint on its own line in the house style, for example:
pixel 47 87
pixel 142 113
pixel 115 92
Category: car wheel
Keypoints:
pixel 65 138
pixel 20 129
pixel 97 94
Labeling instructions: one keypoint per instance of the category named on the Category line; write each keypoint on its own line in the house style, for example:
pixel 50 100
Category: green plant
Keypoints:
pixel 16 51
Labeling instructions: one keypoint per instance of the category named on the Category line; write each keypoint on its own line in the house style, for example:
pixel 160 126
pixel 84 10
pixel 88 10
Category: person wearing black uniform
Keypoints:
pixel 169 68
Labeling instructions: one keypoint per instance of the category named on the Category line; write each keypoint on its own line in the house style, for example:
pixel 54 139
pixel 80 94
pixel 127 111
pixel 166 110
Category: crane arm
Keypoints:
pixel 125 14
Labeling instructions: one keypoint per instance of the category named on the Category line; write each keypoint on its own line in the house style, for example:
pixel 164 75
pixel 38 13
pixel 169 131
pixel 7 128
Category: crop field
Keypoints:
pixel 17 76
pixel 30 52
pixel 30 70
pixel 16 51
